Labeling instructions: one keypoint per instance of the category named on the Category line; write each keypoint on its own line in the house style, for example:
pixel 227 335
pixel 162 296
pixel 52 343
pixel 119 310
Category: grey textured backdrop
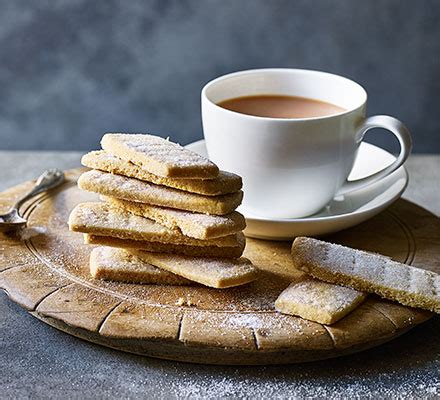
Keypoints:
pixel 71 70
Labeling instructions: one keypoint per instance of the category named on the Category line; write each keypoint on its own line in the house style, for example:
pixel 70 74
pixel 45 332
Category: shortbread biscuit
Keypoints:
pixel 195 225
pixel 318 301
pixel 105 220
pixel 225 183
pixel 213 272
pixel 119 265
pixel 194 251
pixel 368 272
pixel 144 192
pixel 159 156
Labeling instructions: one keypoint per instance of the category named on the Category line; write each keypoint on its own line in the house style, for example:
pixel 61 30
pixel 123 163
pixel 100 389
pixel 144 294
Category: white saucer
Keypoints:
pixel 341 213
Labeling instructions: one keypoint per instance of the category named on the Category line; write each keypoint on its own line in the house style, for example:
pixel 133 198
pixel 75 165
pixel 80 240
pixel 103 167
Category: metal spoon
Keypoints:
pixel 48 180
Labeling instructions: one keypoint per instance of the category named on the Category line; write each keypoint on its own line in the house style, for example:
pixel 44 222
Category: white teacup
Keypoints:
pixel 292 168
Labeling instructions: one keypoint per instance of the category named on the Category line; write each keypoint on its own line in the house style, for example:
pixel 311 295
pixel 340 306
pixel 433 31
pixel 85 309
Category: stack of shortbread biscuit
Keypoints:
pixel 167 213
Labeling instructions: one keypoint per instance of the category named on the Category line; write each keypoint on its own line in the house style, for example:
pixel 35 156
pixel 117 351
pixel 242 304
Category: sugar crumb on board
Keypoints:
pixel 182 302
pixel 27 233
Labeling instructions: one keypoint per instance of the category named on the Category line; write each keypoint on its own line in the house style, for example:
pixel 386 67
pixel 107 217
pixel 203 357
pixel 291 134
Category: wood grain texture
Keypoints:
pixel 46 271
pixel 141 321
pixel 30 284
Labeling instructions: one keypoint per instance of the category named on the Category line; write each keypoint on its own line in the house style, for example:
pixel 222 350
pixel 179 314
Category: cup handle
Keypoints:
pixel 402 134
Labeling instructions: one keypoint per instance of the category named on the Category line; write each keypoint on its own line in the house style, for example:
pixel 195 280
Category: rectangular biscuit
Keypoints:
pixel 213 272
pixel 194 251
pixel 119 265
pixel 144 192
pixel 225 183
pixel 195 225
pixel 367 272
pixel 318 301
pixel 105 220
pixel 159 156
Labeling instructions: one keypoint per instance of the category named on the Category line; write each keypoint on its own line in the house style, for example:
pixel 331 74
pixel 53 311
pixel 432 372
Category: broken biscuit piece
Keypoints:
pixel 318 301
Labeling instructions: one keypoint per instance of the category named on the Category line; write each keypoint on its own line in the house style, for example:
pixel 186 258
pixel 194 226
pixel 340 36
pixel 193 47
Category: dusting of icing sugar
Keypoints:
pixel 320 295
pixel 276 383
pixel 252 321
pixel 28 233
pixel 156 148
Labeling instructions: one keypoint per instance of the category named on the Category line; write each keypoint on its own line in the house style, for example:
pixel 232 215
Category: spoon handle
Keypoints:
pixel 49 179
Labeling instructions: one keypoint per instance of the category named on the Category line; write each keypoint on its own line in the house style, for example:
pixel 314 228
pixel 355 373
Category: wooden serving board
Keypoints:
pixel 45 270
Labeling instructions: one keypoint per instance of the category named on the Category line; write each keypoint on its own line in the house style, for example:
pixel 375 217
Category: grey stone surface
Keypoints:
pixel 37 361
pixel 73 69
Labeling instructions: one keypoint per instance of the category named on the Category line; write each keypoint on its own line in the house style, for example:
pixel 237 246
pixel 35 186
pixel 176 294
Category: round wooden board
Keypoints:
pixel 45 270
